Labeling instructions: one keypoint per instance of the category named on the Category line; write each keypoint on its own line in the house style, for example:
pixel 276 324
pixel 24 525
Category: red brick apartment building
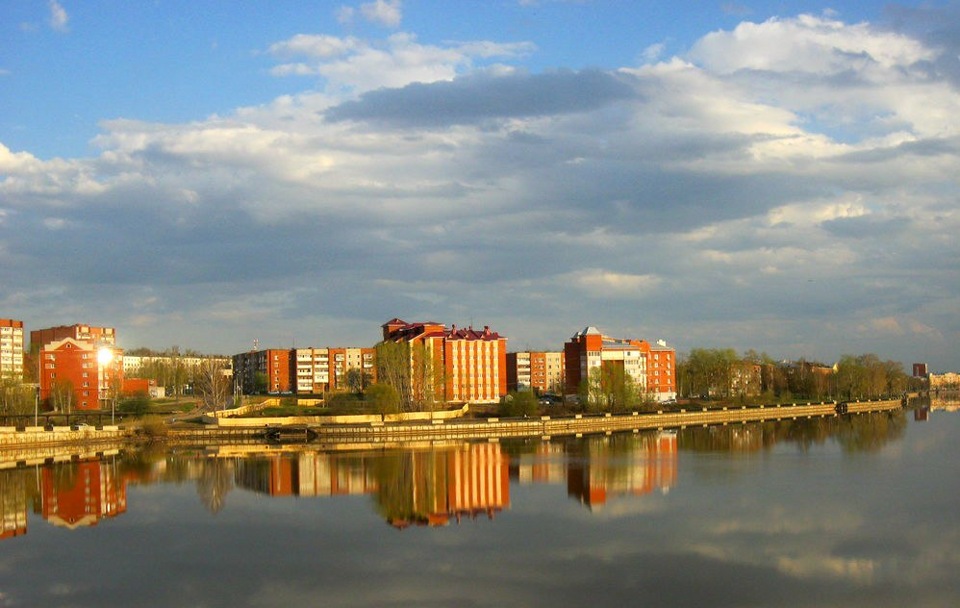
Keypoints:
pixel 653 367
pixel 11 348
pixel 80 375
pixel 541 371
pixel 473 362
pixel 80 332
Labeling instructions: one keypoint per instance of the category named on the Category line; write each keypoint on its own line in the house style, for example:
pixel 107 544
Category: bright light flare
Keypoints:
pixel 104 356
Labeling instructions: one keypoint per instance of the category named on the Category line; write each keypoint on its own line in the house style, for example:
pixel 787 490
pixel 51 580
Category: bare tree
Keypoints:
pixel 212 384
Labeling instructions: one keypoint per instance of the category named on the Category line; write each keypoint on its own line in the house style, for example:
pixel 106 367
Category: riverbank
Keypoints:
pixel 16 444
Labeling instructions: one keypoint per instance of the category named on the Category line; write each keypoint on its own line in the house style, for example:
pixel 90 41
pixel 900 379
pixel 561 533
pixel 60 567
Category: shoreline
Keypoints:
pixel 37 444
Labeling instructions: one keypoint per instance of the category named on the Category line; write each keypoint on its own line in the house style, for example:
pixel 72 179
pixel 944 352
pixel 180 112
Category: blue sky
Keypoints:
pixel 770 175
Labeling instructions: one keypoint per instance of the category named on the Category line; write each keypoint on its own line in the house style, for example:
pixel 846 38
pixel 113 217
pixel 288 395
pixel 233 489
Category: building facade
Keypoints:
pixel 268 369
pixel 78 375
pixel 11 349
pixel 321 370
pixel 79 332
pixel 651 367
pixel 540 371
pixel 304 371
pixel 452 365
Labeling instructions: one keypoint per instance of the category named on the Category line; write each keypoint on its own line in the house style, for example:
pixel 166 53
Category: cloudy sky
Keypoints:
pixel 773 175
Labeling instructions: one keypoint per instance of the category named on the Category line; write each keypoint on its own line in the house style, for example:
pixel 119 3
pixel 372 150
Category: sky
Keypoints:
pixel 777 176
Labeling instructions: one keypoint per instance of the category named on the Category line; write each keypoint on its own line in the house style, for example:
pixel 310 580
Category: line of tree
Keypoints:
pixel 721 373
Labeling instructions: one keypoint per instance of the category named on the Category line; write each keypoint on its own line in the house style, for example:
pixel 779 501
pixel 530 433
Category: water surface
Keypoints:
pixel 851 511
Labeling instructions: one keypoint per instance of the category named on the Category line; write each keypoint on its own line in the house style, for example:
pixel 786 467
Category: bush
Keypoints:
pixel 382 398
pixel 153 426
pixel 138 404
pixel 518 403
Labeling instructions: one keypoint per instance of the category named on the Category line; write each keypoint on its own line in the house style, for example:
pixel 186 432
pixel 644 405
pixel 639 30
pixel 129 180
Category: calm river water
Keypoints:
pixel 852 511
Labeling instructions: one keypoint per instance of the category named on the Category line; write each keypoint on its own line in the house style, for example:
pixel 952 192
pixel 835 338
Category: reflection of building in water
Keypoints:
pixel 82 493
pixel 623 465
pixel 329 475
pixel 947 402
pixel 13 504
pixel 305 474
pixel 438 486
pixel 546 465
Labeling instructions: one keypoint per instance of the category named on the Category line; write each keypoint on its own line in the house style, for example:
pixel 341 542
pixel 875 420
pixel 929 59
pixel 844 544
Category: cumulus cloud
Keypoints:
pixel 358 65
pixel 773 187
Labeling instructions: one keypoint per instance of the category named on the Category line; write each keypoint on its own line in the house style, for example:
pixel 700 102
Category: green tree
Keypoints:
pixel 137 404
pixel 393 368
pixel 15 398
pixel 357 379
pixel 426 378
pixel 518 403
pixel 382 398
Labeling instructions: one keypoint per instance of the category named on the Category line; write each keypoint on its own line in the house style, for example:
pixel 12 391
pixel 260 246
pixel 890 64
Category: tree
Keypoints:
pixel 61 396
pixel 518 403
pixel 383 398
pixel 212 384
pixel 137 404
pixel 15 398
pixel 707 371
pixel 393 368
pixel 426 378
pixel 357 379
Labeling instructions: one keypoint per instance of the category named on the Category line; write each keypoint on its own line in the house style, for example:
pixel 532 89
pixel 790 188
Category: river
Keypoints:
pixel 842 511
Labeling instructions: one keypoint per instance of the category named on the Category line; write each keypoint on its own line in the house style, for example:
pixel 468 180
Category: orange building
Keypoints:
pixel 540 371
pixel 652 367
pixel 80 332
pixel 465 365
pixel 11 348
pixel 77 375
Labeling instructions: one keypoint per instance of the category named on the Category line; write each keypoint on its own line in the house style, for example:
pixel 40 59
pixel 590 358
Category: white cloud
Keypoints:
pixel 601 283
pixel 730 193
pixel 356 65
pixel 382 12
pixel 58 16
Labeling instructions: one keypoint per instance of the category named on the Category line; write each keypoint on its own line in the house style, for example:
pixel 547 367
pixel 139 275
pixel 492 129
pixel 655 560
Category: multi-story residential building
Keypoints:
pixel 80 375
pixel 312 370
pixel 540 371
pixel 305 371
pixel 11 349
pixel 352 358
pixel 452 365
pixel 652 368
pixel 79 332
pixel 320 370
pixel 948 380
pixel 661 370
pixel 268 369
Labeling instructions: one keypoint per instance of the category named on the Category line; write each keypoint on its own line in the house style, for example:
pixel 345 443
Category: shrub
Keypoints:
pixel 518 403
